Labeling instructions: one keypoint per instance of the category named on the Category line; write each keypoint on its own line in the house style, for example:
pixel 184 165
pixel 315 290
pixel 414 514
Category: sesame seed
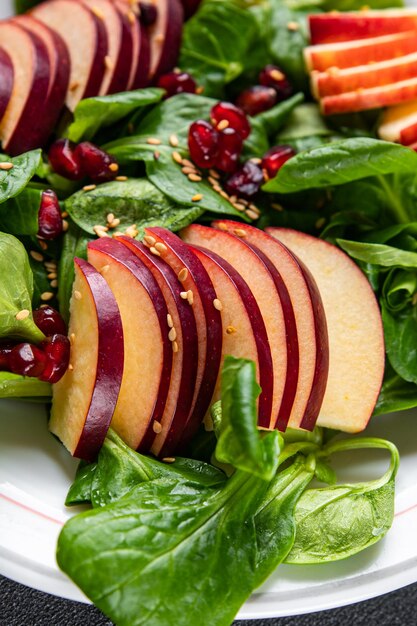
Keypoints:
pixel 72 337
pixel 114 167
pixel 97 13
pixel 169 459
pixel 222 124
pixel 182 274
pixel 104 269
pixel 6 166
pixel 47 295
pixel 89 187
pixel 52 276
pixel 156 427
pixel 153 141
pixel 74 85
pixel 77 294
pixel 212 181
pixel 277 207
pixel 199 90
pixel 159 38
pixel 161 247
pixel 230 330
pixel 102 233
pixel 174 346
pixel 190 297
pixel 70 367
pixel 110 217
pixel 222 226
pixel 43 244
pixel 64 214
pixel 65 225
pixel 239 206
pixel 50 265
pixel 194 178
pixel 293 26
pixel 184 295
pixel 233 199
pixel 188 170
pixel 54 283
pixel 239 232
pixel 217 304
pixel 154 251
pixel 117 233
pixel 224 194
pixel 36 256
pixel 170 321
pixel 197 197
pixel 177 157
pixel 251 214
pixel 22 315
pixel 173 140
pixel 131 17
pixel 217 188
pixel 121 179
pixel 114 223
pixel 109 63
pixel 99 228
pixel 276 74
pixel 132 231
pixel 149 240
pixel 188 162
pixel 253 207
pixel 214 174
pixel 172 335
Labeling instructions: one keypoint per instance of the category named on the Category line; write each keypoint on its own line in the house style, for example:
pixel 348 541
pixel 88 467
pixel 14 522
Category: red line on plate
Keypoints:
pixel 410 508
pixel 28 508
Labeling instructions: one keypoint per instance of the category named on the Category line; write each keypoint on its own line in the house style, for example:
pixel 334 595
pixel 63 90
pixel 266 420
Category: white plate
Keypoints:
pixel 35 473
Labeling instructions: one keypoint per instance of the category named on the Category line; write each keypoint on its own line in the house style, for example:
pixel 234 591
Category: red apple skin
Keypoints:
pixel 141 78
pixel 165 37
pixel 121 75
pixel 408 135
pixel 6 83
pixel 208 319
pixel 333 82
pixel 86 39
pixel 373 98
pixel 335 27
pixel 260 337
pixel 108 248
pixel 359 52
pixel 190 7
pixel 166 443
pixel 106 371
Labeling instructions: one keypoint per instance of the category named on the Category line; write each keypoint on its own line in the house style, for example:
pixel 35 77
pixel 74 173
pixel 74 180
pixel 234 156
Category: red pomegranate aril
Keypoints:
pixel 273 76
pixel 203 144
pixel 257 99
pixel 177 82
pixel 246 182
pixel 49 321
pixel 5 349
pixel 97 164
pixel 27 360
pixel 233 115
pixel 57 354
pixel 63 160
pixel 148 13
pixel 230 147
pixel 50 223
pixel 274 159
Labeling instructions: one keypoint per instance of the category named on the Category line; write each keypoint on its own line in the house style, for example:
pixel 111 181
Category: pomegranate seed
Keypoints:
pixel 49 216
pixel 257 99
pixel 233 115
pixel 63 160
pixel 148 13
pixel 49 321
pixel 27 360
pixel 230 147
pixel 272 76
pixel 5 349
pixel 203 143
pixel 96 163
pixel 275 158
pixel 57 354
pixel 177 82
pixel 246 182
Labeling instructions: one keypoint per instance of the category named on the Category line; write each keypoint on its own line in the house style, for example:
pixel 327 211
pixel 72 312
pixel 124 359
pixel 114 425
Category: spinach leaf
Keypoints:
pixel 239 441
pixel 13 181
pixel 16 386
pixel 21 6
pixel 40 282
pixel 341 162
pixel 92 114
pixel 396 393
pixel 135 201
pixel 19 215
pixel 400 341
pixel 336 522
pixel 80 490
pixel 16 290
pixel 379 254
pixel 74 244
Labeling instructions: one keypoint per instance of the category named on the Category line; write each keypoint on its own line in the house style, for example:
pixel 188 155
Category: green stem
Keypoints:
pixel 397 208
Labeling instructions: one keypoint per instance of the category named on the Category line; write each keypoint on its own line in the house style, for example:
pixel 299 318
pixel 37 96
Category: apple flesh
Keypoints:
pixel 334 27
pixel 148 351
pixel 356 339
pixel 85 398
pixel 85 37
pixel 185 357
pixel 305 324
pixel 165 37
pixel 399 123
pixel 6 83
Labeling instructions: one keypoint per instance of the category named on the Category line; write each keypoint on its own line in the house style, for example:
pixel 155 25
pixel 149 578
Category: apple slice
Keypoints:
pixel 85 398
pixel 257 276
pixel 190 7
pixel 334 81
pixel 19 127
pixel 165 37
pixel 399 123
pixel 141 53
pixel 304 319
pixel 361 52
pixel 201 295
pixel 372 98
pixel 356 338
pixel 334 27
pixel 86 39
pixel 185 355
pixel 148 351
pixel 244 331
pixel 6 83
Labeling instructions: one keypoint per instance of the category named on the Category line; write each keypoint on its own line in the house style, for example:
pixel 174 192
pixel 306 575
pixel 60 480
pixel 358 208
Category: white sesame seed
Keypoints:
pixel 230 330
pixel 195 178
pixel 110 217
pixel 154 251
pixel 222 124
pixel 36 256
pixel 190 297
pixel 149 240
pixel 114 167
pixel 156 427
pixel 214 174
pixel 65 225
pixel 252 214
pixel 161 247
pixel 153 141
pixel 70 367
pixel 47 295
pixel 108 62
pixel 170 321
pixel 188 170
pixel 22 315
pixel 77 294
pixel 217 304
pixel 175 346
pixel 43 244
pixel 52 276
pixel 184 295
pixel 222 226
pixel 169 459
pixel 104 269
pixel 159 38
pixel 172 335
pixel 89 187
pixel 173 140
pixel 177 157
pixel 183 274
pixel 239 232
pixel 197 197
pixel 121 179
pixel 72 337
pixel 6 166
pixel 54 283
pixel 97 12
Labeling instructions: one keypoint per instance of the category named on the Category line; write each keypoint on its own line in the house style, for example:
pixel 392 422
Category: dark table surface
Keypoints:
pixel 21 606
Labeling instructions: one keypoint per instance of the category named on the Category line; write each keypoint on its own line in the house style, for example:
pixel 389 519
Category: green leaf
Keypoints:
pixel 19 215
pixel 379 254
pixel 16 288
pixel 16 386
pixel 342 162
pixel 304 121
pixel 74 244
pixel 396 393
pixel 13 181
pixel 400 331
pixel 80 490
pixel 92 114
pixel 336 522
pixel 240 444
pixel 21 6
